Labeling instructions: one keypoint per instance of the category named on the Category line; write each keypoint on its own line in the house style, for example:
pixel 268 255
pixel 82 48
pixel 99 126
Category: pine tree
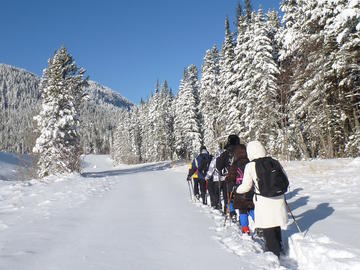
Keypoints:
pixel 246 73
pixel 248 9
pixel 58 145
pixel 266 109
pixel 146 131
pixel 164 132
pixel 154 127
pixel 209 103
pixel 186 124
pixel 229 113
pixel 343 33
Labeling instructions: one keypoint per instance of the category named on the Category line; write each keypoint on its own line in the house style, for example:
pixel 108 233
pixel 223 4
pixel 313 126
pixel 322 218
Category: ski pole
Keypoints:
pixel 288 207
pixel 192 188
pixel 228 202
pixel 219 202
pixel 228 210
pixel 191 197
pixel 228 206
pixel 207 192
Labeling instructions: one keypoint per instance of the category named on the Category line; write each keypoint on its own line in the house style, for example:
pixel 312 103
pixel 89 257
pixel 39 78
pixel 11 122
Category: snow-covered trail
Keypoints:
pixel 144 222
pixel 141 217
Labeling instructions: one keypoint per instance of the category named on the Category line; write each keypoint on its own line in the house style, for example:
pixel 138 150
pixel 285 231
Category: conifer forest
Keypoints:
pixel 291 82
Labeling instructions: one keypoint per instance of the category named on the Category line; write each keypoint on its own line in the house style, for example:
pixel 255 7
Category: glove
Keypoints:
pixel 188 178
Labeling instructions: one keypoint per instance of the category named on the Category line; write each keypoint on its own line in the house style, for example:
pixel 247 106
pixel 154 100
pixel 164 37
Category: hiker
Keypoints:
pixel 270 212
pixel 216 182
pixel 222 166
pixel 198 170
pixel 243 202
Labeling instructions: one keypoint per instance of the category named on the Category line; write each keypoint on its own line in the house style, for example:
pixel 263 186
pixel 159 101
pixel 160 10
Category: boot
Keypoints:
pixel 245 229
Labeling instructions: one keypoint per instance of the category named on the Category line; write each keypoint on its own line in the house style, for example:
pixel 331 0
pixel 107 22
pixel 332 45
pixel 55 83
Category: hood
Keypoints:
pixel 204 151
pixel 255 150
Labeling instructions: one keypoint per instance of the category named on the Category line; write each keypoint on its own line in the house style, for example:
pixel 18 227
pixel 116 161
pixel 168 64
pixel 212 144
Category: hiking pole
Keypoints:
pixel 191 197
pixel 192 188
pixel 219 202
pixel 228 208
pixel 206 191
pixel 288 207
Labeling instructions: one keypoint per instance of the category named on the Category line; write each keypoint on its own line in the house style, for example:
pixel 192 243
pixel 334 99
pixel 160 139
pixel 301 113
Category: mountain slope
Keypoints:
pixel 19 102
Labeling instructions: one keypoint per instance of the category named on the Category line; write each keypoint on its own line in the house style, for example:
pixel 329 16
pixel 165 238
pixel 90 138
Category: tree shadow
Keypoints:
pixel 145 168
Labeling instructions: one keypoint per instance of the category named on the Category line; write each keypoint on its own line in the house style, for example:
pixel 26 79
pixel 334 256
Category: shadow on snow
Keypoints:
pixel 309 217
pixel 145 168
pixel 306 219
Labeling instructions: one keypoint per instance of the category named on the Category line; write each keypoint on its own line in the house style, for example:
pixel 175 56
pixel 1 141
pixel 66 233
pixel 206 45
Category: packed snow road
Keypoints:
pixel 141 217
pixel 137 218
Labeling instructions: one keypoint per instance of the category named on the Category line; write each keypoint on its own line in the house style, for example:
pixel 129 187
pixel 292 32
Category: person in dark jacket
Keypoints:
pixel 223 163
pixel 243 202
pixel 196 169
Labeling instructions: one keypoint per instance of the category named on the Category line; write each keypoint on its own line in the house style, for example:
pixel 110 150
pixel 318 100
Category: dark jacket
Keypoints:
pixel 197 163
pixel 239 161
pixel 232 153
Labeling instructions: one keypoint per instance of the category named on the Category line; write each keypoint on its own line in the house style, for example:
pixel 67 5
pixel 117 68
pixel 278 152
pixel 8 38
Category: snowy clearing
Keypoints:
pixel 132 217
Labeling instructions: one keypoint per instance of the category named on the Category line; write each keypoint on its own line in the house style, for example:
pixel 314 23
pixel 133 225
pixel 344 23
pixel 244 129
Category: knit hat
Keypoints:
pixel 233 140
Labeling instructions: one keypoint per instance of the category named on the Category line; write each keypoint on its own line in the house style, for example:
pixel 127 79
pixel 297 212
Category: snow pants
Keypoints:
pixel 212 192
pixel 215 193
pixel 202 184
pixel 244 217
pixel 227 188
pixel 272 237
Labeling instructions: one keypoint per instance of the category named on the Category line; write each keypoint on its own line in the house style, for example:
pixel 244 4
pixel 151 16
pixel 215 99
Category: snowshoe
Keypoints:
pixel 233 217
pixel 259 233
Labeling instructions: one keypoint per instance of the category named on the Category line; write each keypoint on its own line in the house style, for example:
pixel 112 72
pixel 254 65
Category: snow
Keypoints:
pixel 141 217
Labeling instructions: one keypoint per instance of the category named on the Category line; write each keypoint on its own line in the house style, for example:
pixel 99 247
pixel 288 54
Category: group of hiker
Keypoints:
pixel 243 178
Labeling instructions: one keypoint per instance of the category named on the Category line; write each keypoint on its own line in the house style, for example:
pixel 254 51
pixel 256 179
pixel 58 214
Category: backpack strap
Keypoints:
pixel 256 188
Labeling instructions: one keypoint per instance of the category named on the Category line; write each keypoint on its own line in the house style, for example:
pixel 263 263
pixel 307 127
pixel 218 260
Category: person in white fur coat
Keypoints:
pixel 270 213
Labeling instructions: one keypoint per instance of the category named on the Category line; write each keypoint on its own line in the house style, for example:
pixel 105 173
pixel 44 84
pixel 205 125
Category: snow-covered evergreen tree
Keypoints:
pixel 209 99
pixel 99 113
pixel 319 121
pixel 19 102
pixel 266 109
pixel 145 131
pixel 186 124
pixel 154 128
pixel 58 146
pixel 164 134
pixel 343 32
pixel 229 112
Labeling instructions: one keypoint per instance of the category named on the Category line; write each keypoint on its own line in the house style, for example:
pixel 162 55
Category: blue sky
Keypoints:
pixel 126 44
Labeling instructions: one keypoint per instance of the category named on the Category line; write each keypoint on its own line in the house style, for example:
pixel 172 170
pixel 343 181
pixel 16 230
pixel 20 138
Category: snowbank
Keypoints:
pixel 41 221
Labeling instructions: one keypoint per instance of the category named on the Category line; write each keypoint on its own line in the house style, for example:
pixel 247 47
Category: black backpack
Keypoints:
pixel 272 179
pixel 229 161
pixel 204 164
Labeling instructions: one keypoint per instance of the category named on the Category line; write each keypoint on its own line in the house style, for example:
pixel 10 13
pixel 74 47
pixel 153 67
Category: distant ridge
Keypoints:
pixel 20 102
pixel 99 93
